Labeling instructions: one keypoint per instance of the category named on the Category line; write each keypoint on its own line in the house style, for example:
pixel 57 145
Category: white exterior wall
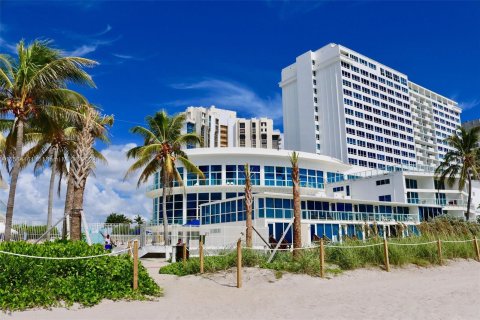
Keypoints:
pixel 476 197
pixel 331 114
pixel 298 109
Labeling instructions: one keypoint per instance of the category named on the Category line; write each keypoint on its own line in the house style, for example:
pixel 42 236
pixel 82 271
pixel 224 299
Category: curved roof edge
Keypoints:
pixel 264 152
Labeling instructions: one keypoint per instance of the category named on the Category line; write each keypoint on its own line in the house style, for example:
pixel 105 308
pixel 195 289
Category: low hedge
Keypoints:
pixel 28 283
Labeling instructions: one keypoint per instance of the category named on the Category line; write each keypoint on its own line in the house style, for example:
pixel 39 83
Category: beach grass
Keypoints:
pixel 351 254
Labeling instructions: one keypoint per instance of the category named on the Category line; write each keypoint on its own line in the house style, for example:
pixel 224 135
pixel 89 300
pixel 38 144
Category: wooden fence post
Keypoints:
pixel 135 265
pixel 129 247
pixel 385 251
pixel 439 246
pixel 477 250
pixel 239 263
pixel 184 247
pixel 201 255
pixel 322 259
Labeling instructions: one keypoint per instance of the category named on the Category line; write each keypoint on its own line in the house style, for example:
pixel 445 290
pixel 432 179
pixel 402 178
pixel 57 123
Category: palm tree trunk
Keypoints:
pixel 164 214
pixel 75 217
pixel 248 206
pixel 50 191
pixel 469 201
pixel 13 181
pixel 297 232
pixel 68 203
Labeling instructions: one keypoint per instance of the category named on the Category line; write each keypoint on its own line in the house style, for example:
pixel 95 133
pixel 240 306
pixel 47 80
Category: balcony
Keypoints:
pixel 344 216
pixel 439 202
pixel 358 216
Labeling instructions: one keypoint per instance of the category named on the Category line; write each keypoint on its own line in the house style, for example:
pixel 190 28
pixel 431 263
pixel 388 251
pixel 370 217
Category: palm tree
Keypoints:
pixel 297 214
pixel 5 146
pixel 35 83
pixel 82 162
pixel 248 206
pixel 54 141
pixel 462 162
pixel 162 147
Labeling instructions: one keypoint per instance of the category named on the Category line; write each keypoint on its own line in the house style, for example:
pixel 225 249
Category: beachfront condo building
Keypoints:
pixel 337 199
pixel 339 103
pixel 221 128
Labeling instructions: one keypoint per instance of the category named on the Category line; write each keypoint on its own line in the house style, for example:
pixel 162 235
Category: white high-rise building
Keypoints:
pixel 257 133
pixel 339 103
pixel 222 128
pixel 215 126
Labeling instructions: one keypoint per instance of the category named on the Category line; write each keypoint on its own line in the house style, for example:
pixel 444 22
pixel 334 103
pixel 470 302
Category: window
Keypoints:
pixel 385 198
pixel 338 189
pixel 411 184
pixel 412 197
pixel 382 182
pixel 439 185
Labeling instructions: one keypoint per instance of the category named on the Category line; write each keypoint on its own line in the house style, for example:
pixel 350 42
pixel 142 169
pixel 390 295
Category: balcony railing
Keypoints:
pixel 439 202
pixel 346 216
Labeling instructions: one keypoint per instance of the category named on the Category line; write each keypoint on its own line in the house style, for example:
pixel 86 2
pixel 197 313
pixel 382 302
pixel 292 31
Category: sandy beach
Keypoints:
pixel 445 292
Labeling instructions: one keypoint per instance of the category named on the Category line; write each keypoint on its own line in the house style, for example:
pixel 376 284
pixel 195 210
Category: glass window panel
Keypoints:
pixel 215 196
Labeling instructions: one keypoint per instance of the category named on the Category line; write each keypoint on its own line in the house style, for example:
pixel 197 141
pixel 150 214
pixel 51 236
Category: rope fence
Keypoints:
pixel 63 258
pixel 458 241
pixel 412 244
pixel 131 249
pixel 322 248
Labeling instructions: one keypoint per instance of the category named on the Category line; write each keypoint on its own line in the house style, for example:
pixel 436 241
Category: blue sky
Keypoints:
pixel 157 54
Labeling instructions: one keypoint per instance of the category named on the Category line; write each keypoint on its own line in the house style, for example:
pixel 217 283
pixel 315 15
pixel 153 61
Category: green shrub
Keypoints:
pixel 28 283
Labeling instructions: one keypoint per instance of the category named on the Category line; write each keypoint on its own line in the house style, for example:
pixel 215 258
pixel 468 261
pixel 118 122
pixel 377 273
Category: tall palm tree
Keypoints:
pixel 462 162
pixel 297 214
pixel 5 146
pixel 82 163
pixel 34 83
pixel 162 147
pixel 54 141
pixel 248 206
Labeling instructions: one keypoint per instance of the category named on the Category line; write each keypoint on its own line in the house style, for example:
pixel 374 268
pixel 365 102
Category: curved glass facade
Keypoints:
pixel 180 210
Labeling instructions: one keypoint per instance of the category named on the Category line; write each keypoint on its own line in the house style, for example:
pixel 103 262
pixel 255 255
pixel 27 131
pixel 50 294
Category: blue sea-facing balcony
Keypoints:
pixel 444 202
pixel 216 215
pixel 338 215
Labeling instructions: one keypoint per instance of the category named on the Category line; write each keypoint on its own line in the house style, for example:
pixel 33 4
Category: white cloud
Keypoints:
pixel 465 105
pixel 106 192
pixel 225 94
pixel 107 29
pixel 123 56
pixel 12 48
pixel 91 42
pixel 82 50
